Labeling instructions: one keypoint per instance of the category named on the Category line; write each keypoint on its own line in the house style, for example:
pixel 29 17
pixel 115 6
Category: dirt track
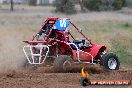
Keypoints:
pixel 45 77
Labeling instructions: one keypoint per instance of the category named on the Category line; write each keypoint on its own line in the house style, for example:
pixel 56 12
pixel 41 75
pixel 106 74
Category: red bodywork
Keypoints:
pixel 65 48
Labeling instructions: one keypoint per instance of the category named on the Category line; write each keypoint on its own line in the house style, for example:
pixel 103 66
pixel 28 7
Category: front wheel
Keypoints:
pixel 110 61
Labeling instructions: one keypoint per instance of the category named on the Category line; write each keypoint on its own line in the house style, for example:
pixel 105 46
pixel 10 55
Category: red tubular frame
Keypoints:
pixel 44 25
pixel 81 33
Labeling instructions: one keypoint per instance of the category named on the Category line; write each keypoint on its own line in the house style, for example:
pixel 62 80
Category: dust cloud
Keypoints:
pixel 11 54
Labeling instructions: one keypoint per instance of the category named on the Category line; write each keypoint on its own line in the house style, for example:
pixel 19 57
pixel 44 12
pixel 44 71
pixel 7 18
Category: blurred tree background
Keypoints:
pixel 65 6
pixel 68 6
pixel 104 5
pixel 32 2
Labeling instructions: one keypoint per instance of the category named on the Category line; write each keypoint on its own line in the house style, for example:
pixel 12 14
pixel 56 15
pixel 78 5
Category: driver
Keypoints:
pixel 67 35
pixel 43 32
pixel 67 32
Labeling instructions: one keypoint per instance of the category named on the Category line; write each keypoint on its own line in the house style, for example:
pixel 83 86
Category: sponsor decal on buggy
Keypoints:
pixel 87 81
pixel 61 24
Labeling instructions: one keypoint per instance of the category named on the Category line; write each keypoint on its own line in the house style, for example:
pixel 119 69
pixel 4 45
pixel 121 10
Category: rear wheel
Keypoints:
pixel 110 61
pixel 62 63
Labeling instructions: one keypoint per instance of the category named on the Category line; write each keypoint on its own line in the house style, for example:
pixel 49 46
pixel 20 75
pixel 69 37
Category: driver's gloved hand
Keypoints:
pixel 83 42
pixel 37 37
pixel 40 33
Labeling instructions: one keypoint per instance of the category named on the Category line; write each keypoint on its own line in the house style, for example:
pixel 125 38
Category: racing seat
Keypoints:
pixel 81 44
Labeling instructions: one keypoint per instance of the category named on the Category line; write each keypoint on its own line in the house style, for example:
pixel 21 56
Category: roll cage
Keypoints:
pixel 48 29
pixel 54 28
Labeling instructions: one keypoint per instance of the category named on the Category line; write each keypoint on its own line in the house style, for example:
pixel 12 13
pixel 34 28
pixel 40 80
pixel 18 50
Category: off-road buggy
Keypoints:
pixel 54 39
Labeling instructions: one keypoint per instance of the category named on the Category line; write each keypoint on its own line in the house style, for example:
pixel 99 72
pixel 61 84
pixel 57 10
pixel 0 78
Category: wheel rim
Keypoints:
pixel 112 63
pixel 66 64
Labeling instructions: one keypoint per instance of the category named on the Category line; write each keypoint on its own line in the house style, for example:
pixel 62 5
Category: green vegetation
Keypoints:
pixel 123 48
pixel 129 3
pixel 65 6
pixel 32 2
pixel 103 5
pixel 68 6
pixel 92 4
pixel 118 4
